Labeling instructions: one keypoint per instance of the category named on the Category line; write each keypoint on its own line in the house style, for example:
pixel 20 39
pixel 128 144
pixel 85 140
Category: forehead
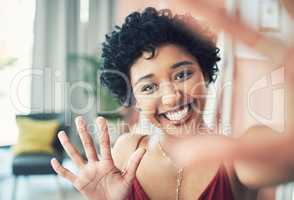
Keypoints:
pixel 165 56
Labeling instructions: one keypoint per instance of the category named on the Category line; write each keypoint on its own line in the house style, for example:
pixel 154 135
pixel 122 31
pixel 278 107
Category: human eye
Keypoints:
pixel 184 75
pixel 148 88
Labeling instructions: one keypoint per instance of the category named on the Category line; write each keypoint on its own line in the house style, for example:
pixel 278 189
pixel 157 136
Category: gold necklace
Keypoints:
pixel 179 172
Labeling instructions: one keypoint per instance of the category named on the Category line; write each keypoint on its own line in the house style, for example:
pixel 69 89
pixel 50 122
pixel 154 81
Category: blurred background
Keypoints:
pixel 49 74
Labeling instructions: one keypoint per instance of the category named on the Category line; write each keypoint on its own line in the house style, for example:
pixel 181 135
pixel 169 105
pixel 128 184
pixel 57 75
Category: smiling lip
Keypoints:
pixel 165 120
pixel 177 108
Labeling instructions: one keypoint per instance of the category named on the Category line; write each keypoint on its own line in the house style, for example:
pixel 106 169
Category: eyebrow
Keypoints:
pixel 180 64
pixel 174 66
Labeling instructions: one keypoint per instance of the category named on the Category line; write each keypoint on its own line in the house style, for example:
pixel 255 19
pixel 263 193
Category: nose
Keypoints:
pixel 170 95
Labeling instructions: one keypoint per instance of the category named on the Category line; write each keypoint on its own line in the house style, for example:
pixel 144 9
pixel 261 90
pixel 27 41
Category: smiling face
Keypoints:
pixel 169 89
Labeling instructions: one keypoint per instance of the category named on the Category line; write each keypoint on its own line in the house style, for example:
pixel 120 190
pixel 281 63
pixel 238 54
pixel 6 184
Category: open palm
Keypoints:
pixel 98 178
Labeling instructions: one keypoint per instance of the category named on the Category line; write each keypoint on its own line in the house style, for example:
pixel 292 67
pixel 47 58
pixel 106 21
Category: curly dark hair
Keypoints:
pixel 146 31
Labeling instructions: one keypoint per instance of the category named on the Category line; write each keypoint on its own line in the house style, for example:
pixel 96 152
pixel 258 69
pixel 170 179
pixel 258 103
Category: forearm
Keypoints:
pixel 265 158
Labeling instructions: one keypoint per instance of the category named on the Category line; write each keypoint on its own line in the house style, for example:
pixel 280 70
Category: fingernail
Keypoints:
pixel 79 120
pixel 100 119
pixel 53 160
pixel 101 123
pixel 141 149
pixel 61 133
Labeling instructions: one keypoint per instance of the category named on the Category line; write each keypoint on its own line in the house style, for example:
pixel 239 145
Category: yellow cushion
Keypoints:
pixel 35 135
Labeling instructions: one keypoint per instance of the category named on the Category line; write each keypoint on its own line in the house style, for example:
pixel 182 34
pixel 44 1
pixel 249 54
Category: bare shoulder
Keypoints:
pixel 124 147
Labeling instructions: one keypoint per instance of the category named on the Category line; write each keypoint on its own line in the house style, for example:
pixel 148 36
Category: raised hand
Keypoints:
pixel 216 15
pixel 98 178
pixel 261 153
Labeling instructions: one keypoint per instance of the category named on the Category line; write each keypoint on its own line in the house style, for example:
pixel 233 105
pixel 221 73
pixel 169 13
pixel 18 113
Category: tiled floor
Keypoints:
pixel 34 187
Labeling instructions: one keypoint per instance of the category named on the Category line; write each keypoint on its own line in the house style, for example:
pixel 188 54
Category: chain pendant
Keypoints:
pixel 179 182
pixel 179 173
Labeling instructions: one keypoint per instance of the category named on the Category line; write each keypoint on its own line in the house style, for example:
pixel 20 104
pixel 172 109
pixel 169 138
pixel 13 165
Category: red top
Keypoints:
pixel 218 189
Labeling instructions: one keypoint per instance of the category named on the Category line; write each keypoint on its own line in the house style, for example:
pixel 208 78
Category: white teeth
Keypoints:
pixel 178 115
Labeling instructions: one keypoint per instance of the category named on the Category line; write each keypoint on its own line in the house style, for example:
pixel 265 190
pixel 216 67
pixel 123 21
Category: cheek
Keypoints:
pixel 194 88
pixel 147 104
pixel 198 91
pixel 148 109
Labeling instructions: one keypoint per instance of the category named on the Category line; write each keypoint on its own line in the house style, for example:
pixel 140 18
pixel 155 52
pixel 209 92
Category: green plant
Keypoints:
pixel 92 67
pixel 5 62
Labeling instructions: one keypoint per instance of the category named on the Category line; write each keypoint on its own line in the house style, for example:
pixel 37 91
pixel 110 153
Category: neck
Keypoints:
pixel 171 139
pixel 170 142
pixel 167 144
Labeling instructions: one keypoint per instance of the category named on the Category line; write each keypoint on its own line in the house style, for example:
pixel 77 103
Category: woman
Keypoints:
pixel 168 68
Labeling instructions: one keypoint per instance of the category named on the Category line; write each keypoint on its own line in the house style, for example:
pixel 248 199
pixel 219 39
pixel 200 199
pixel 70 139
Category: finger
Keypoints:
pixel 87 141
pixel 104 140
pixel 61 171
pixel 71 151
pixel 133 164
pixel 217 16
pixel 289 5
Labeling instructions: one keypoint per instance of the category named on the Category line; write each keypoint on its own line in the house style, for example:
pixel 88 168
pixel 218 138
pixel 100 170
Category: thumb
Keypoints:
pixel 133 164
